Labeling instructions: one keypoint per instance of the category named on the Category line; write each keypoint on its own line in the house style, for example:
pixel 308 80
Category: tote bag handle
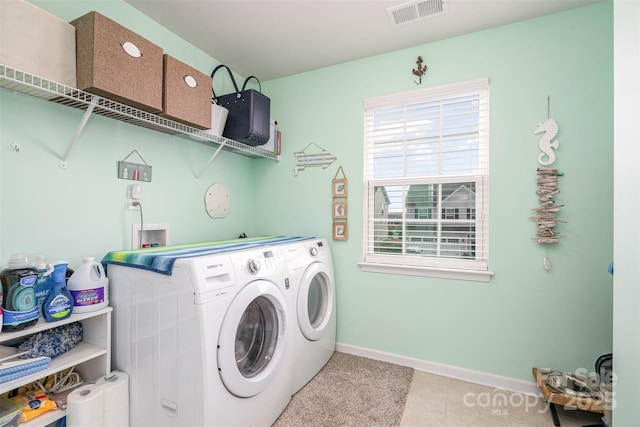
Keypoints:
pixel 233 80
pixel 244 85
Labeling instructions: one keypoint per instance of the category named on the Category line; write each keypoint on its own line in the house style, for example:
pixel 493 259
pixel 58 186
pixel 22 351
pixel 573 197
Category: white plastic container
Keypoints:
pixel 219 116
pixel 89 287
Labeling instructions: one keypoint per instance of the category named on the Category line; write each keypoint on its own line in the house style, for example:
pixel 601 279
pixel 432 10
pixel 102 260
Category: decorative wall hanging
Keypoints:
pixel 339 192
pixel 340 231
pixel 217 201
pixel 340 209
pixel 547 212
pixel 304 159
pixel 134 171
pixel 420 71
pixel 547 182
pixel 339 186
pixel 546 143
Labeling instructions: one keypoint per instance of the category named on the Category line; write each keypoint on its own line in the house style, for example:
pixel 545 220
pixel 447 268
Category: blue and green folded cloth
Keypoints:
pixel 161 259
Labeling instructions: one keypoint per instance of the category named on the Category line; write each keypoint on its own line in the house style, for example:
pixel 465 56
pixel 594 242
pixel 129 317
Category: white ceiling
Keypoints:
pixel 277 38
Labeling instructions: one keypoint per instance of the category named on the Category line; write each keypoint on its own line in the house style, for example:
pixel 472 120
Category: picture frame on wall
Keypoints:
pixel 340 209
pixel 340 231
pixel 340 188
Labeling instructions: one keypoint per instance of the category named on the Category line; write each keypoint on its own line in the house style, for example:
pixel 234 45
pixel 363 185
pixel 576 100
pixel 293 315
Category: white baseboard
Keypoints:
pixel 463 374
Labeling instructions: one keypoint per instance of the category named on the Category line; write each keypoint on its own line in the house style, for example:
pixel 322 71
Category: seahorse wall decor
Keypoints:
pixel 547 182
pixel 546 143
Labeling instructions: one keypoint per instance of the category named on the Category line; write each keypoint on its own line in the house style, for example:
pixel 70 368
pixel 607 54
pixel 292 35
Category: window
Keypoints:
pixel 426 182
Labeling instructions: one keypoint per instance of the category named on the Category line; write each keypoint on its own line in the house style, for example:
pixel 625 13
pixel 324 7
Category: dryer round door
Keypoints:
pixel 315 301
pixel 252 338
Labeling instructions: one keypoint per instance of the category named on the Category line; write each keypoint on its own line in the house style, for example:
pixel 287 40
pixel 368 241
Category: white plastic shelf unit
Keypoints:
pixel 28 84
pixel 91 357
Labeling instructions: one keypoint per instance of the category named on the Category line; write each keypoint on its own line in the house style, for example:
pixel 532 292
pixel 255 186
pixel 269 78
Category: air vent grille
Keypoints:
pixel 414 10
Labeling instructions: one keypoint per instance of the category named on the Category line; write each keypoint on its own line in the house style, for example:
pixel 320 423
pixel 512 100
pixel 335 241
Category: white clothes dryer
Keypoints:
pixel 206 345
pixel 312 305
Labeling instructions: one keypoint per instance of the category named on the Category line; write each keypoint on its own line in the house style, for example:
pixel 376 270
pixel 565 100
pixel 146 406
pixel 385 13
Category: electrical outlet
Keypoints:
pixel 133 201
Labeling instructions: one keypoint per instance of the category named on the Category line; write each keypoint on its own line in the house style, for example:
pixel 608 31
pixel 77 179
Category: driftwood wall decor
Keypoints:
pixel 547 187
pixel 547 212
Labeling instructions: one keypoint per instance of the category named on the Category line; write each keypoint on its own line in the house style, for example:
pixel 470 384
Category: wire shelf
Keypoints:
pixel 28 84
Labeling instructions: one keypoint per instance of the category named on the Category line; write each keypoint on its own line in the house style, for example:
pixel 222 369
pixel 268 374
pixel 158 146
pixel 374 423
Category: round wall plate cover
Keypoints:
pixel 217 201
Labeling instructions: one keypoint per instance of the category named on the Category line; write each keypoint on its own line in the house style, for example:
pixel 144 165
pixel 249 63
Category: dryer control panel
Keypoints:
pixel 318 247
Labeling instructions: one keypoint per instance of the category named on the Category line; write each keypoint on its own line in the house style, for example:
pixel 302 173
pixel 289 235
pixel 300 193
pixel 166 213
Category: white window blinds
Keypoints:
pixel 426 176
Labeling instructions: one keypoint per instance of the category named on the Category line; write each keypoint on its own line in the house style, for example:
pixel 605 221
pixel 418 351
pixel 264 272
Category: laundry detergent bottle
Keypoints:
pixel 89 287
pixel 19 304
pixel 44 284
pixel 58 304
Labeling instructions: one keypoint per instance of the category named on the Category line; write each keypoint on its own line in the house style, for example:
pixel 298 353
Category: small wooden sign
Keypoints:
pixel 134 171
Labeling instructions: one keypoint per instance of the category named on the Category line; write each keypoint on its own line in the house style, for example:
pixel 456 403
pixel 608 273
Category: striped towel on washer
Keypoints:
pixel 161 259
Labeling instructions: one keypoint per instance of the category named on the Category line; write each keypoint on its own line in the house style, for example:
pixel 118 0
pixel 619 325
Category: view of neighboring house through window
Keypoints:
pixel 426 173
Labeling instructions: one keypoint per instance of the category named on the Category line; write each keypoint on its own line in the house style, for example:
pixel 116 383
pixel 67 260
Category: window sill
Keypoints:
pixel 440 273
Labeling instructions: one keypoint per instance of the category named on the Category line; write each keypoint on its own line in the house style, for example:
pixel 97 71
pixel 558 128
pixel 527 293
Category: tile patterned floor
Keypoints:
pixel 443 402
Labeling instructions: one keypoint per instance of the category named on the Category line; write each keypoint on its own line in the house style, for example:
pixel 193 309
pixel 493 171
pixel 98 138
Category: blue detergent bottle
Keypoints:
pixel 58 304
pixel 44 284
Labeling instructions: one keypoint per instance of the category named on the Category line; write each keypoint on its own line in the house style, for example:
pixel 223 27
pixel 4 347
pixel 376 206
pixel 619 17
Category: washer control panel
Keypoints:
pixel 259 261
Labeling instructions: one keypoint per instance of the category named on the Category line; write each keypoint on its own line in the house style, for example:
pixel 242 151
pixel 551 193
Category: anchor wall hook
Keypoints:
pixel 420 71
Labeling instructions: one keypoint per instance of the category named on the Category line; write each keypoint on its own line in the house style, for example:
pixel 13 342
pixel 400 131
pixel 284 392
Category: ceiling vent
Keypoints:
pixel 412 11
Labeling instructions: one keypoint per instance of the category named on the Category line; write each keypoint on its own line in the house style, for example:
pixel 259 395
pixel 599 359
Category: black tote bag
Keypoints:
pixel 249 112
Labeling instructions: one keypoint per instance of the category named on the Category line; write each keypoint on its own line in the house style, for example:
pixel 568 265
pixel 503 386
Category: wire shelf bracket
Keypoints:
pixel 213 156
pixel 18 81
pixel 83 122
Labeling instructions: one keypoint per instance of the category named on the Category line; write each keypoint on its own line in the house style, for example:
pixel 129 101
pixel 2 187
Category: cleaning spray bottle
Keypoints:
pixel 58 304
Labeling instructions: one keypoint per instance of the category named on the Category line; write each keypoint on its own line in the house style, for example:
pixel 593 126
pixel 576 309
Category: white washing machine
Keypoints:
pixel 312 307
pixel 206 345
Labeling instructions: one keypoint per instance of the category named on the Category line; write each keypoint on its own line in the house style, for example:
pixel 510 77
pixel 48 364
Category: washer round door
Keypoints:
pixel 252 339
pixel 315 301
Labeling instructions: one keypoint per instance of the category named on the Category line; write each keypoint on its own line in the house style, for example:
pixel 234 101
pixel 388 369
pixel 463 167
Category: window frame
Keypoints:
pixel 441 267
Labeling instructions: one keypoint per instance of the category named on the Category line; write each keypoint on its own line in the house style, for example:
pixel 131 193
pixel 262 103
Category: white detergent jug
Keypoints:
pixel 89 287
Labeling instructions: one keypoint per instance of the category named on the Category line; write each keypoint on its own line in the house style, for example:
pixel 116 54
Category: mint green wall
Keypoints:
pixel 525 316
pixel 81 211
